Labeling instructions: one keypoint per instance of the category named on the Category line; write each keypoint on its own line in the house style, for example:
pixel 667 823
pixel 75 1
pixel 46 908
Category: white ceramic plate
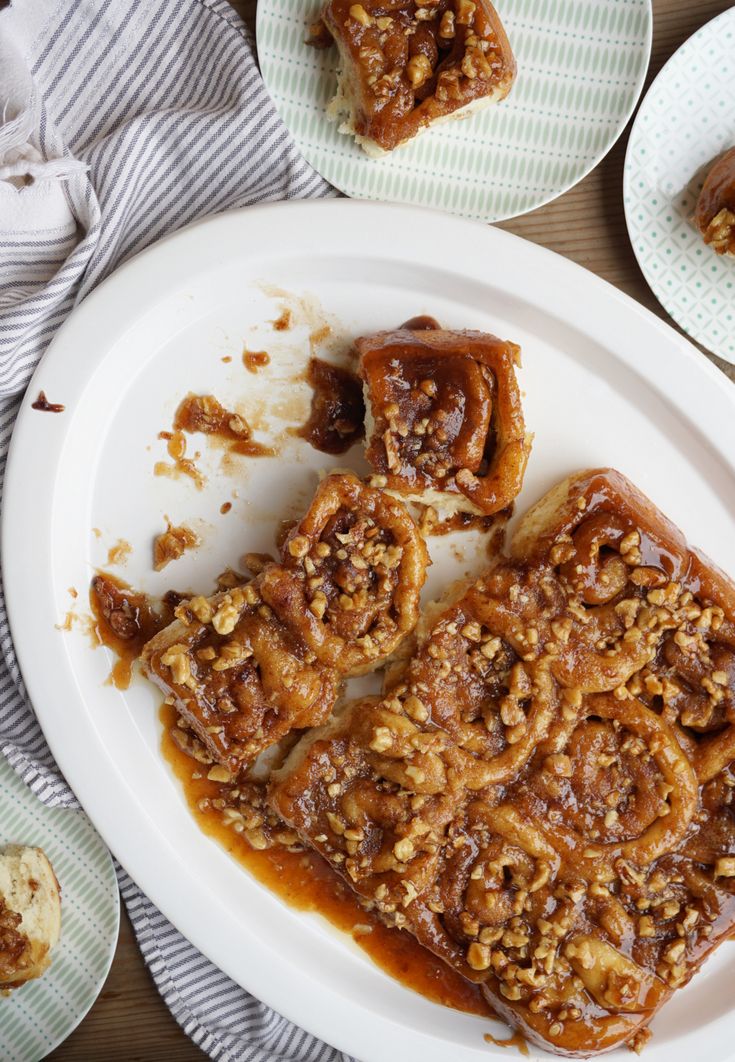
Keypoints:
pixel 685 123
pixel 39 1016
pixel 581 68
pixel 159 327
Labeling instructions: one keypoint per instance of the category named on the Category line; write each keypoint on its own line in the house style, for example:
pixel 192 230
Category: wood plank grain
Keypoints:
pixel 129 1022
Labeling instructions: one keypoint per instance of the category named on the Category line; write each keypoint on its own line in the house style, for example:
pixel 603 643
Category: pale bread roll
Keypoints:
pixel 30 915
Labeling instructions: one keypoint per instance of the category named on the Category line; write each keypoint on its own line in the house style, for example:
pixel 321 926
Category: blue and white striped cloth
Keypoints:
pixel 121 120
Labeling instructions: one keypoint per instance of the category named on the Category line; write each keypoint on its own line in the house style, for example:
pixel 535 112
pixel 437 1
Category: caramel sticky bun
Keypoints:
pixel 445 423
pixel 404 66
pixel 715 213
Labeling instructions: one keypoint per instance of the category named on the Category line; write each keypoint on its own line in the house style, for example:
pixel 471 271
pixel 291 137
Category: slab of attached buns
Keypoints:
pixel 543 797
pixel 30 915
pixel 249 665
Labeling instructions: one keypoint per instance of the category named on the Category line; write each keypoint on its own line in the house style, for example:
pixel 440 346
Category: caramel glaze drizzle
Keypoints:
pixel 44 406
pixel 255 359
pixel 125 620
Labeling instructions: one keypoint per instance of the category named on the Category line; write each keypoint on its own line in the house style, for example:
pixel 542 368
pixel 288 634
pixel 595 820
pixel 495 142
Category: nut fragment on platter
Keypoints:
pixel 172 544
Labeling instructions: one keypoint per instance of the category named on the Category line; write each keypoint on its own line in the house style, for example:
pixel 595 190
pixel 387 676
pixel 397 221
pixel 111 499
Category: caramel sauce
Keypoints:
pixel 119 553
pixel 227 359
pixel 255 359
pixel 44 406
pixel 256 562
pixel 225 508
pixel 422 323
pixel 305 881
pixel 337 417
pixel 319 336
pixel 203 413
pixel 283 323
pixel 516 1040
pixel 14 948
pixel 181 465
pixel 125 620
pixel 431 524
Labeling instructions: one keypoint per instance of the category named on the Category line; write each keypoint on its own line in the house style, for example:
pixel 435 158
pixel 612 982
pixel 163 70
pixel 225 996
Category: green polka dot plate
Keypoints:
pixel 685 123
pixel 37 1017
pixel 581 68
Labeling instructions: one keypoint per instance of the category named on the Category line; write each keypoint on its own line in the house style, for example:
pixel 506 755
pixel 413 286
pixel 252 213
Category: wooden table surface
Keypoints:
pixel 129 1022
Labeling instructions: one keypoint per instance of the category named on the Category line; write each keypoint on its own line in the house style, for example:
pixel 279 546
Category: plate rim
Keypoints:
pixel 608 312
pixel 685 326
pixel 491 217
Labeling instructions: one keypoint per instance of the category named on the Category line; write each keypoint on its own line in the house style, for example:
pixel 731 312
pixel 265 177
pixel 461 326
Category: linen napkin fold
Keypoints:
pixel 120 121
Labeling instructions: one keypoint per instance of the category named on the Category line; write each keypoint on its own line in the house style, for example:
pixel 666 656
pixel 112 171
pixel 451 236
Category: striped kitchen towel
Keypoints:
pixel 121 120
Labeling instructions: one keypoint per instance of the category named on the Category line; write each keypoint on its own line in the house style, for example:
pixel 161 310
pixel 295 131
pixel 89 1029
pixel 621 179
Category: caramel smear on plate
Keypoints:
pixel 203 413
pixel 516 1040
pixel 181 465
pixel 254 360
pixel 119 553
pixel 124 620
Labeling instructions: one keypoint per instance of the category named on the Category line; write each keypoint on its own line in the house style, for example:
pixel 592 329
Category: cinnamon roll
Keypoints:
pixel 445 424
pixel 350 578
pixel 406 65
pixel 251 664
pixel 237 675
pixel 715 212
pixel 374 791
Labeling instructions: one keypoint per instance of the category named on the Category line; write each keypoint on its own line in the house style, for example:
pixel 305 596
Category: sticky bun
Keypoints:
pixel 404 66
pixel 30 915
pixel 715 213
pixel 351 574
pixel 445 424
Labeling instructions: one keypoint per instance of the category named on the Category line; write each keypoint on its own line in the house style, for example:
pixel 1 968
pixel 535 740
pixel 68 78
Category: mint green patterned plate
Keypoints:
pixel 581 67
pixel 685 122
pixel 38 1016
